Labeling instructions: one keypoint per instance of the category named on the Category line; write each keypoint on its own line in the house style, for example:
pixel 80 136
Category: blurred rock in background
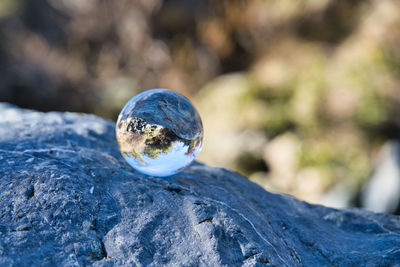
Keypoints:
pixel 382 192
pixel 298 95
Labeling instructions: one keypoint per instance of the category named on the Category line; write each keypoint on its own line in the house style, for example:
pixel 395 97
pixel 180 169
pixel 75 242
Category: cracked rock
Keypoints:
pixel 67 198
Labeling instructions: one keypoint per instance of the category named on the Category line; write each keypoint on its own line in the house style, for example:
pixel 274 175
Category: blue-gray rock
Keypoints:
pixel 67 198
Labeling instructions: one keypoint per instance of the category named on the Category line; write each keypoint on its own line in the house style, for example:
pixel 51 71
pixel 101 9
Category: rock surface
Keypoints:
pixel 67 198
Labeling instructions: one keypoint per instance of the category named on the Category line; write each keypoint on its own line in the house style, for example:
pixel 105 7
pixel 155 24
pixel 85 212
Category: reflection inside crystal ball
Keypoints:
pixel 159 132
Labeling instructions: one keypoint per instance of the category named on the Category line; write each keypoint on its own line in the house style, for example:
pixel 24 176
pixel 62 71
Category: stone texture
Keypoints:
pixel 67 198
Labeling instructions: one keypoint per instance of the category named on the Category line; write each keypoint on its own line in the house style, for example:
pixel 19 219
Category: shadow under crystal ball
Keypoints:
pixel 159 132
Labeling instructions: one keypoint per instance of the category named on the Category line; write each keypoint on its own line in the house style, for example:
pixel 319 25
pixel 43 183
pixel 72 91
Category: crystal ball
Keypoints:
pixel 159 132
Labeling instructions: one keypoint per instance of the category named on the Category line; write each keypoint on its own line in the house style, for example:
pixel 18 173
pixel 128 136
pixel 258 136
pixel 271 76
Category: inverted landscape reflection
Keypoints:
pixel 165 164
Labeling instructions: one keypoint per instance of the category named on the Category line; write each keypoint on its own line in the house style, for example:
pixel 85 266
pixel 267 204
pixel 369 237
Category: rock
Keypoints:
pixel 68 198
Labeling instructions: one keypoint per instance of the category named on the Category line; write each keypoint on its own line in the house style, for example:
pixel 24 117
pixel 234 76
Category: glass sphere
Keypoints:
pixel 159 132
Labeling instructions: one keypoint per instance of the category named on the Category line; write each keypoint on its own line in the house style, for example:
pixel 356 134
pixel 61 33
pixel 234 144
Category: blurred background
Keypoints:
pixel 302 97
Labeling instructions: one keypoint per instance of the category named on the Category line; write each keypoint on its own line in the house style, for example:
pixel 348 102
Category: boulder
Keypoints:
pixel 68 198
